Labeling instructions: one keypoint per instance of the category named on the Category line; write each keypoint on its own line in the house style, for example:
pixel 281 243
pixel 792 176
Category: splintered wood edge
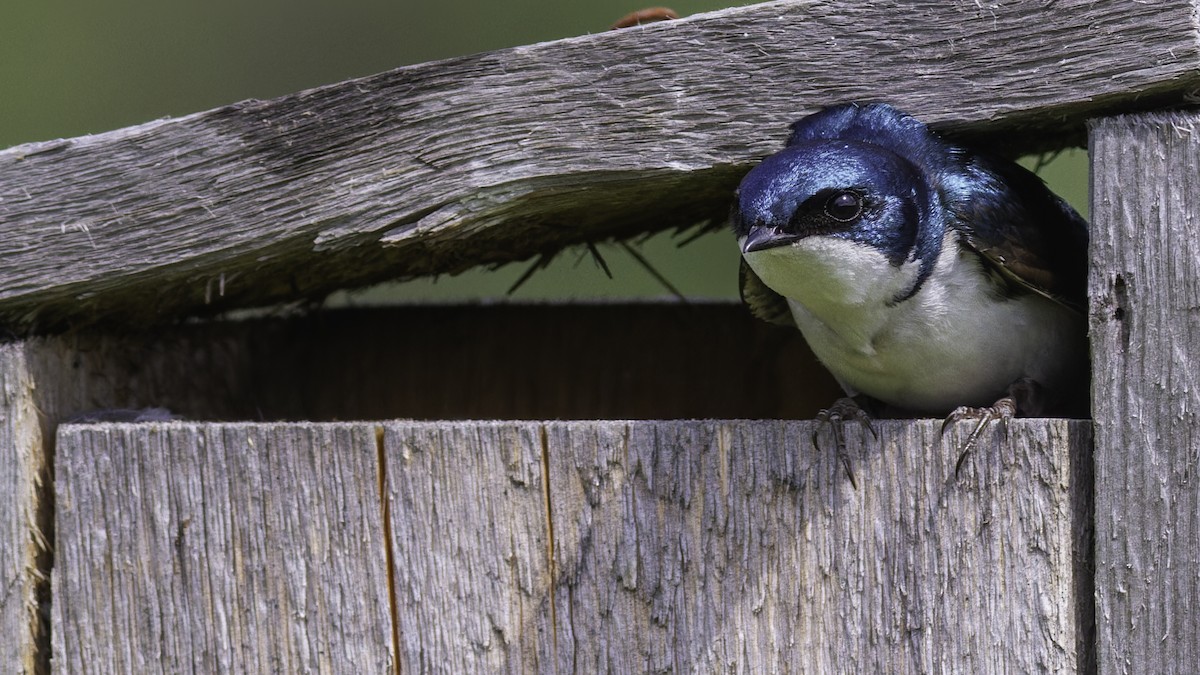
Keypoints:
pixel 25 551
pixel 495 157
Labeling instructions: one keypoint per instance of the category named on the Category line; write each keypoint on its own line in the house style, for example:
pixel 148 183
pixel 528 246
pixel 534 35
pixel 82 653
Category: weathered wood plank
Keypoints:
pixel 1145 290
pixel 219 548
pixel 23 547
pixel 736 547
pixel 471 542
pixel 423 362
pixel 493 157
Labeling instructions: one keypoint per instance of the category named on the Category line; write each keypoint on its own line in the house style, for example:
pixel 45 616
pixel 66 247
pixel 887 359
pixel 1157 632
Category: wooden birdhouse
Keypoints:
pixel 582 487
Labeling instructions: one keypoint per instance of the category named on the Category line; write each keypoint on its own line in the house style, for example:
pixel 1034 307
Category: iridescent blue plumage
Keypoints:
pixel 923 274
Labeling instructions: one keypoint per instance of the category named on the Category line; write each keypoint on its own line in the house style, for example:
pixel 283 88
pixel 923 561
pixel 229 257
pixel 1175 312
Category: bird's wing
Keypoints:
pixel 763 302
pixel 1026 233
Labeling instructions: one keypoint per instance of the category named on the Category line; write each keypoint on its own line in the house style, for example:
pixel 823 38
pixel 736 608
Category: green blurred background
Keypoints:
pixel 68 69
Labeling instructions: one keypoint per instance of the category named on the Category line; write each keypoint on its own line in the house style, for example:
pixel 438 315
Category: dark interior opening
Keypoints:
pixel 578 361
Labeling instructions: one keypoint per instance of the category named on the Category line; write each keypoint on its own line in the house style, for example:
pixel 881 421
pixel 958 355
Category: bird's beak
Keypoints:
pixel 763 237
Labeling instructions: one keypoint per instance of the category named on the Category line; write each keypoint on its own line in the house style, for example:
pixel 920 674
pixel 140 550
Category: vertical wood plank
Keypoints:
pixel 472 547
pixel 22 470
pixel 1145 327
pixel 737 547
pixel 219 548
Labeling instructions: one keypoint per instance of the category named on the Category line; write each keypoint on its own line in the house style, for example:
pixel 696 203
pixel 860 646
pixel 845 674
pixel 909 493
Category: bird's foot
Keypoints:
pixel 843 410
pixel 1001 411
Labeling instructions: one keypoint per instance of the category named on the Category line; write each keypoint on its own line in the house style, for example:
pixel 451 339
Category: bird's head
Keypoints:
pixel 827 212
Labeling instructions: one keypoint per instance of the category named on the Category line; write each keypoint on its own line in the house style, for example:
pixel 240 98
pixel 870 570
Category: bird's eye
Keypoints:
pixel 844 206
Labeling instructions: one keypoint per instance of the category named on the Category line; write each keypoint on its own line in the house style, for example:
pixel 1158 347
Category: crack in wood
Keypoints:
pixel 388 541
pixel 550 551
pixel 41 532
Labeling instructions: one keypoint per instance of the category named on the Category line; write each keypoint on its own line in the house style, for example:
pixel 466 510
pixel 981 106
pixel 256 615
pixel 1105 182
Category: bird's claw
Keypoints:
pixel 843 410
pixel 1001 411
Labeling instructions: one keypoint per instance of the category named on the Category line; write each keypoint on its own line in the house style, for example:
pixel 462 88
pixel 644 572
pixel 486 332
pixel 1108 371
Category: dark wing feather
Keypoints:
pixel 763 302
pixel 1025 232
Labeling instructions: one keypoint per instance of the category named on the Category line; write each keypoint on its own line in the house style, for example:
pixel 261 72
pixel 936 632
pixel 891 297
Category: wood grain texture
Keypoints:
pixel 1145 290
pixel 493 157
pixel 23 544
pixel 219 548
pixel 736 547
pixel 423 362
pixel 472 545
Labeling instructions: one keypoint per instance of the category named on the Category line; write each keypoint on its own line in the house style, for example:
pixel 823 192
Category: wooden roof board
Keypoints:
pixel 493 157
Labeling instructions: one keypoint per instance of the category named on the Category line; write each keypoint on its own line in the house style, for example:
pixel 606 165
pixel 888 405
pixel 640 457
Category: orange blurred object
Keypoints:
pixel 642 16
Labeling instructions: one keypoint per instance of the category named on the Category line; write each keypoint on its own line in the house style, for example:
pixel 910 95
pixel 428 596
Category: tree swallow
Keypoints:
pixel 928 277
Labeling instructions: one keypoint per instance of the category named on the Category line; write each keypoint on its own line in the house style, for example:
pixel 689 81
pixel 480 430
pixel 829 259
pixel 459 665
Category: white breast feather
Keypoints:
pixel 953 343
